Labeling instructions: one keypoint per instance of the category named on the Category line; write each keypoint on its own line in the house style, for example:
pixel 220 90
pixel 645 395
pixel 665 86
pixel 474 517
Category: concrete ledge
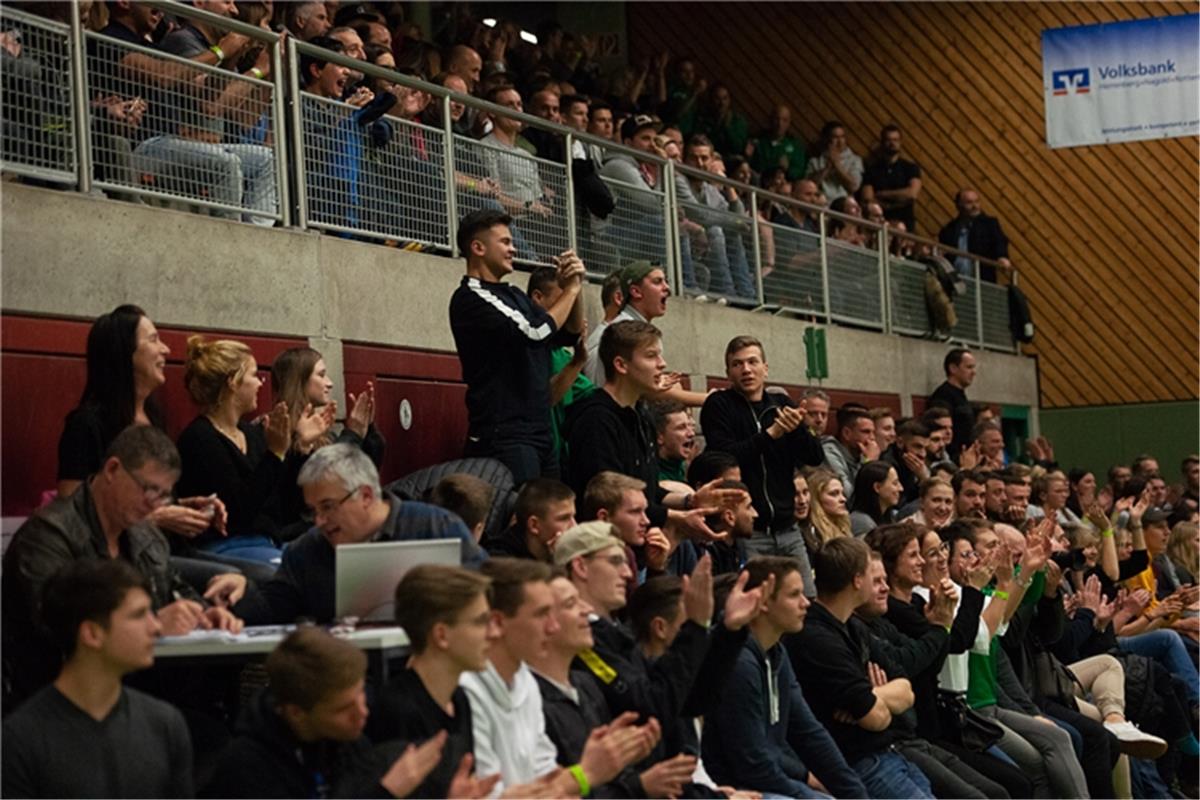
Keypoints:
pixel 67 254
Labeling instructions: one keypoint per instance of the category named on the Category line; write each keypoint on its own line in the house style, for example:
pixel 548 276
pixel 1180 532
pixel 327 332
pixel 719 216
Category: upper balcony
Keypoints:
pixel 90 112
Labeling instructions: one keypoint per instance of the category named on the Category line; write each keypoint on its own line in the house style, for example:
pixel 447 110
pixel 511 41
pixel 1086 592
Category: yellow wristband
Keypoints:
pixel 258 73
pixel 471 184
pixel 1000 594
pixel 585 788
pixel 219 52
pixel 1108 533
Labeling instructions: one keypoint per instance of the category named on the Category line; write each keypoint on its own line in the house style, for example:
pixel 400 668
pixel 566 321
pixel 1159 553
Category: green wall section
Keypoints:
pixel 1099 436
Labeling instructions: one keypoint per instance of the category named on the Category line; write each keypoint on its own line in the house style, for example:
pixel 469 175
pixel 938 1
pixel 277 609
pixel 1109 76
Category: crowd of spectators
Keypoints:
pixel 204 131
pixel 789 599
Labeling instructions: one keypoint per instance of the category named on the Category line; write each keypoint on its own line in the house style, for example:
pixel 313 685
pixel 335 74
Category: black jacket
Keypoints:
pixel 984 238
pixel 568 724
pixel 266 760
pixel 66 531
pixel 731 425
pixel 955 399
pixel 603 435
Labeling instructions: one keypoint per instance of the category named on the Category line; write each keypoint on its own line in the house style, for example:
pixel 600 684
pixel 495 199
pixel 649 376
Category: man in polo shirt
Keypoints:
pixel 504 344
pixel 892 181
pixel 851 695
pixel 341 486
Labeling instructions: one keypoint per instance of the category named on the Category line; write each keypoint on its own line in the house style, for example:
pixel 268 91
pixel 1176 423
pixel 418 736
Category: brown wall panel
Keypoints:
pixel 1105 237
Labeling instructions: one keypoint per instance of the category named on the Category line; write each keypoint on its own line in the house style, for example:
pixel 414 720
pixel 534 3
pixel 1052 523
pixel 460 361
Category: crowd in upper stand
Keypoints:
pixel 791 599
pixel 158 124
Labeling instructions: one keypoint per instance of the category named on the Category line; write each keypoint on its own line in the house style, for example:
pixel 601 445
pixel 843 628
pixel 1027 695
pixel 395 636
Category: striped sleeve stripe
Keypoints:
pixel 535 334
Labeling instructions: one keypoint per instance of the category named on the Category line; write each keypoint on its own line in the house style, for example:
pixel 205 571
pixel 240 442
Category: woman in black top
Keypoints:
pixel 125 363
pixel 238 461
pixel 300 379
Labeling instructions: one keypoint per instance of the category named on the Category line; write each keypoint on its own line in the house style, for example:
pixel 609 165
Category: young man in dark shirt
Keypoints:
pixel 959 366
pixel 445 612
pixel 892 181
pixel 608 431
pixel 762 735
pixel 765 431
pixel 851 695
pixel 303 737
pixel 545 508
pixel 504 343
pixel 87 735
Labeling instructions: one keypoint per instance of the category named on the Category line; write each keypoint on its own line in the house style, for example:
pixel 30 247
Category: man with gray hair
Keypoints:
pixel 348 506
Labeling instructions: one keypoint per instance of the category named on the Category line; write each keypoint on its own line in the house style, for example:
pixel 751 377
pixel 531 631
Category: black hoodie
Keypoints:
pixel 733 425
pixel 603 435
pixel 265 759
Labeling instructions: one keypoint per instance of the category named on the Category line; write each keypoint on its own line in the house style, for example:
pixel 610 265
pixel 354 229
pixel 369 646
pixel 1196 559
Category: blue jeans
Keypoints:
pixel 1167 648
pixel 251 548
pixel 888 775
pixel 233 174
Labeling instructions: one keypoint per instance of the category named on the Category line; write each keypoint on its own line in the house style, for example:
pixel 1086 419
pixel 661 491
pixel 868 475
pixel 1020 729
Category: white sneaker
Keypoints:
pixel 1135 742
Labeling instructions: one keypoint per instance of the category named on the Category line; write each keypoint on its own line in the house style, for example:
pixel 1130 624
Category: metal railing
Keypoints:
pixel 89 110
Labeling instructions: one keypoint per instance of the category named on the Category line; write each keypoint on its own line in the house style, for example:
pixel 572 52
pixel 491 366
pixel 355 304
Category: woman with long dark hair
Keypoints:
pixel 877 491
pixel 125 366
pixel 299 378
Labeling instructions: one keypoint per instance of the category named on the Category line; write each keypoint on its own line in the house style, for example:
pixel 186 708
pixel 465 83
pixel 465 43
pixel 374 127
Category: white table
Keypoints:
pixel 381 643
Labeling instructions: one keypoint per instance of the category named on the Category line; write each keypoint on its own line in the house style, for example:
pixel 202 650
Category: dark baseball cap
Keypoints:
pixel 633 125
pixel 635 272
pixel 1157 514
pixel 360 12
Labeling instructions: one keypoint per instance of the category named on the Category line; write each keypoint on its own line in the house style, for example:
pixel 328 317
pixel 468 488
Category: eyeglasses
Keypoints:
pixel 615 560
pixel 326 508
pixel 937 552
pixel 153 494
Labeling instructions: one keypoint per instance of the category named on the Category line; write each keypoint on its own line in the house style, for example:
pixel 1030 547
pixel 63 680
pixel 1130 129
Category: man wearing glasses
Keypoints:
pixel 105 518
pixel 346 506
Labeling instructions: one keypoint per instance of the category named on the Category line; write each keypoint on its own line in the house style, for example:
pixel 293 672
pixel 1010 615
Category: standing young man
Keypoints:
pixel 86 735
pixel 959 366
pixel 767 434
pixel 504 343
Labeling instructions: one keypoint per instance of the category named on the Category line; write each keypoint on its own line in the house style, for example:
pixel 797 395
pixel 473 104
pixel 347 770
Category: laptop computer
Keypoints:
pixel 366 574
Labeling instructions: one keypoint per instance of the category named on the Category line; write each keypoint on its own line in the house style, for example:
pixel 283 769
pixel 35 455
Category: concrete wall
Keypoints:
pixel 65 254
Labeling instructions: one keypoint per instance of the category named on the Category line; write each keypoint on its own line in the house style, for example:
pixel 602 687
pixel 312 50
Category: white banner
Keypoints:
pixel 1122 81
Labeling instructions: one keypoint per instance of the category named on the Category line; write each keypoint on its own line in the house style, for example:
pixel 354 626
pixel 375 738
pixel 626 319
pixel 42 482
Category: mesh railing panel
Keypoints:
pixel 382 178
pixel 967 329
pixel 794 282
pixel 204 136
pixel 996 331
pixel 636 228
pixel 854 283
pixel 37 120
pixel 908 309
pixel 717 249
pixel 532 190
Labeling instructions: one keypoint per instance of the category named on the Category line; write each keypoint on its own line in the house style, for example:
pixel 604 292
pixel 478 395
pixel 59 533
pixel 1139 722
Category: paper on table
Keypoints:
pixel 255 632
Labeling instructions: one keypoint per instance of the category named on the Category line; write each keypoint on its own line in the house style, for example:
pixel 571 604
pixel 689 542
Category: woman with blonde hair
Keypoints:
pixel 1180 565
pixel 830 519
pixel 240 462
pixel 937 504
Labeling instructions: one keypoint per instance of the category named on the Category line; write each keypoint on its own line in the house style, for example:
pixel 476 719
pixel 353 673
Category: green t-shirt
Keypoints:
pixel 788 153
pixel 581 388
pixel 981 669
pixel 672 469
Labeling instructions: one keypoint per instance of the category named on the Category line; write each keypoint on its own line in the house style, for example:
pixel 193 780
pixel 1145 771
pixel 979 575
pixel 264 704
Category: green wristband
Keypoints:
pixel 1107 534
pixel 220 54
pixel 585 788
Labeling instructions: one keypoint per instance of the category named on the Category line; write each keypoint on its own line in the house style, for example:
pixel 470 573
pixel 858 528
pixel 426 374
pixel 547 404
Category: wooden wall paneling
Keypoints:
pixel 1128 233
pixel 1033 152
pixel 997 169
pixel 1112 281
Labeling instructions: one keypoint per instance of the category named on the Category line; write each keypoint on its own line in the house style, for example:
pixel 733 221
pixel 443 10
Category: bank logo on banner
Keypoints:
pixel 1070 81
pixel 1122 81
